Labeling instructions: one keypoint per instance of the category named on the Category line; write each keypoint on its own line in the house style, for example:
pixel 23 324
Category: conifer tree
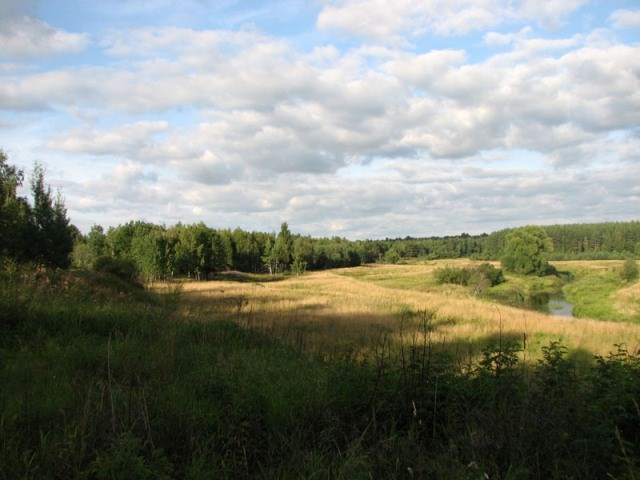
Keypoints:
pixel 52 238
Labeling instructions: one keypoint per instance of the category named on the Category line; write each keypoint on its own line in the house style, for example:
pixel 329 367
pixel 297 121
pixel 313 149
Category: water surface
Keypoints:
pixel 559 306
pixel 555 305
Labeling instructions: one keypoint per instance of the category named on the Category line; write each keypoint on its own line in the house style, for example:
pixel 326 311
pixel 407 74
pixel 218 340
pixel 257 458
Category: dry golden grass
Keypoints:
pixel 588 264
pixel 627 300
pixel 348 310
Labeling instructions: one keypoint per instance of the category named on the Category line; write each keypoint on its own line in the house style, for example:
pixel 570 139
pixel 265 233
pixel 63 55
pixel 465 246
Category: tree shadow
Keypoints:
pixel 242 277
pixel 313 327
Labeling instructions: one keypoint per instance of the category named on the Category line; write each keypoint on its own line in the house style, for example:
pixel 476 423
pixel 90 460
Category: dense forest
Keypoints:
pixel 199 251
pixel 608 240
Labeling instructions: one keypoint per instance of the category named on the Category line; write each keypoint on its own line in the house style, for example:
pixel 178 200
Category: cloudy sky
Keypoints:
pixel 356 118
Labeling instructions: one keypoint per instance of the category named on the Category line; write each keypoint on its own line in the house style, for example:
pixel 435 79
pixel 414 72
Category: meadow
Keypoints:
pixel 347 311
pixel 370 372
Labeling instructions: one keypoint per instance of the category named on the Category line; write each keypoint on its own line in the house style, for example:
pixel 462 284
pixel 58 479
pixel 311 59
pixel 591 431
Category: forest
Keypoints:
pixel 198 251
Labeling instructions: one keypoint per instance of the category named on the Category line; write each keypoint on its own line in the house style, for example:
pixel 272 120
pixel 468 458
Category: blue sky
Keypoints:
pixel 362 119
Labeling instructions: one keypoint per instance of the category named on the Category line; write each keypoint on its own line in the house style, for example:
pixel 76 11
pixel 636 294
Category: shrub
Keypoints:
pixel 482 275
pixel 493 274
pixel 456 276
pixel 392 256
pixel 123 268
pixel 629 270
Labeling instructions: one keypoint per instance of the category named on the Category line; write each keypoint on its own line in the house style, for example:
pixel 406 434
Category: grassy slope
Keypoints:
pixel 102 380
pixel 596 291
pixel 599 292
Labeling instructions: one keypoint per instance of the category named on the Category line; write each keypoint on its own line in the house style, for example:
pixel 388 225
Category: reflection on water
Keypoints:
pixel 555 305
pixel 560 307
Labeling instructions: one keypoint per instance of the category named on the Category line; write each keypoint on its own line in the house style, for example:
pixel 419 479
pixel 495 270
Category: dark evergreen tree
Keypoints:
pixel 52 234
pixel 283 247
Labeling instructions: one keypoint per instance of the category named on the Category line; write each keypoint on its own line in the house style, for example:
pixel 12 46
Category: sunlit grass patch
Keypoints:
pixel 626 301
pixel 346 309
pixel 594 291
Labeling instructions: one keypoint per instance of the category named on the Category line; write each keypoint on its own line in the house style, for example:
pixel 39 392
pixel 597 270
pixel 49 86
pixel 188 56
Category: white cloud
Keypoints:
pixel 268 109
pixel 549 13
pixel 383 20
pixel 24 37
pixel 244 128
pixel 625 19
pixel 126 140
pixel 424 69
pixel 524 46
pixel 386 201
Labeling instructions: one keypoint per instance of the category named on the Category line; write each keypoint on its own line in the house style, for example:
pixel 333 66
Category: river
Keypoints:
pixel 559 306
pixel 555 305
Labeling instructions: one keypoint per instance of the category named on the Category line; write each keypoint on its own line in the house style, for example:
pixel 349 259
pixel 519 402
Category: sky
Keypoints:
pixel 351 118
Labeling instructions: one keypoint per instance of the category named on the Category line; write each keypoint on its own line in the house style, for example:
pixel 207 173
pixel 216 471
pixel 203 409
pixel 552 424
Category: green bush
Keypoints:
pixel 493 274
pixel 120 267
pixel 629 270
pixel 471 276
pixel 456 276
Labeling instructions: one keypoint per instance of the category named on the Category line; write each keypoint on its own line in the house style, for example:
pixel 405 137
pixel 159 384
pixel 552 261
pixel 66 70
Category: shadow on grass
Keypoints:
pixel 242 277
pixel 126 393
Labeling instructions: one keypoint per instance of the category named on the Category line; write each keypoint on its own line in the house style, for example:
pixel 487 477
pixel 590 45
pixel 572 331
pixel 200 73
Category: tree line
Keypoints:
pixel 40 232
pixel 198 251
pixel 591 241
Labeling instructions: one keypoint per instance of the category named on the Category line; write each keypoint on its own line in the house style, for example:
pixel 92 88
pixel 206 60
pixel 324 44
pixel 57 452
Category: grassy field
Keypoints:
pixel 347 310
pixel 373 372
pixel 599 292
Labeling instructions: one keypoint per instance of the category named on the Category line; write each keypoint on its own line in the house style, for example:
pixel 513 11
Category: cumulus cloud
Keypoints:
pixel 382 20
pixel 390 21
pixel 395 198
pixel 550 13
pixel 127 140
pixel 22 36
pixel 268 109
pixel 625 19
pixel 238 127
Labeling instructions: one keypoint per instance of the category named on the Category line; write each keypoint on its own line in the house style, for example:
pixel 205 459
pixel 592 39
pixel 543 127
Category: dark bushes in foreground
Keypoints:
pixel 105 383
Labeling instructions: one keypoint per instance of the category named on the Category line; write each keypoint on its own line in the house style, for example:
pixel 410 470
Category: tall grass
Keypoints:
pixel 101 379
pixel 347 309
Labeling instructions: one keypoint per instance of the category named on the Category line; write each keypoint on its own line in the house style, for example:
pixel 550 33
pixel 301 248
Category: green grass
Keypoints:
pixel 591 292
pixel 101 379
pixel 588 286
pixel 519 290
pixel 414 276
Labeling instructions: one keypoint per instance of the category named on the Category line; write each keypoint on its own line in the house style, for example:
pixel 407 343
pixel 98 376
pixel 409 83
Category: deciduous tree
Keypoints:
pixel 526 251
pixel 15 212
